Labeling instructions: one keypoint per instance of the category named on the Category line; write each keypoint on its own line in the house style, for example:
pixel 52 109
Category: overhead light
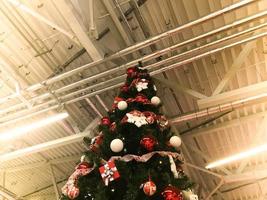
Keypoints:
pixel 18 131
pixel 239 156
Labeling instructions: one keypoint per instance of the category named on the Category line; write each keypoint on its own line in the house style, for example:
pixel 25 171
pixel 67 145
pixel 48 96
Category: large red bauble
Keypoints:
pixel 149 188
pixel 172 193
pixel 131 72
pixel 105 121
pixel 73 192
pixel 148 142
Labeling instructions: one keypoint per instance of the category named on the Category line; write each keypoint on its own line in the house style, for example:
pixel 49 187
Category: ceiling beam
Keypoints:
pixel 48 145
pixel 7 194
pixel 227 124
pixel 180 88
pixel 247 176
pixel 69 13
pixel 235 66
pixel 44 163
pixel 233 95
pixel 117 22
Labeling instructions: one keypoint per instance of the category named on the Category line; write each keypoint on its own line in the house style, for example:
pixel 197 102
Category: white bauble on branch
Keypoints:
pixel 175 141
pixel 155 100
pixel 122 105
pixel 116 145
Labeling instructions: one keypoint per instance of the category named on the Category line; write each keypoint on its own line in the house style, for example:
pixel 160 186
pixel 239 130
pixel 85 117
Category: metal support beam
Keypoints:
pixel 235 66
pixel 233 95
pixel 44 163
pixel 68 11
pixel 117 22
pixel 227 124
pixel 180 88
pixel 43 146
pixel 215 189
pixel 47 145
pixel 24 8
pixel 247 176
pixel 54 181
pixel 261 130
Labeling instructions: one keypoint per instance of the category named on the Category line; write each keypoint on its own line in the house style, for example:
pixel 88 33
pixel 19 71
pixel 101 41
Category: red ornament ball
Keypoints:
pixel 131 72
pixel 172 193
pixel 148 143
pixel 84 165
pixel 149 188
pixel 105 121
pixel 73 192
pixel 124 88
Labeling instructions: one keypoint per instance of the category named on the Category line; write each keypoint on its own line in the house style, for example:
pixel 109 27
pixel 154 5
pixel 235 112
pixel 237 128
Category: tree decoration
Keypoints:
pixel 135 139
pixel 109 172
pixel 122 105
pixel 175 141
pixel 125 88
pixel 172 193
pixel 189 195
pixel 96 142
pixel 116 145
pixel 155 100
pixel 73 192
pixel 131 72
pixel 149 188
pixel 140 84
pixel 148 143
pixel 105 121
pixel 113 127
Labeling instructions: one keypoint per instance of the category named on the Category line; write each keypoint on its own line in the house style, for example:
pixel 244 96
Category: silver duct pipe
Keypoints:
pixel 139 45
pixel 150 56
pixel 220 108
pixel 120 78
pixel 64 100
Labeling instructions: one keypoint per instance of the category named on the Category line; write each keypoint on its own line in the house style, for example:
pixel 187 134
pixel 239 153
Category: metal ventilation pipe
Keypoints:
pixel 119 78
pixel 147 57
pixel 52 104
pixel 220 108
pixel 139 45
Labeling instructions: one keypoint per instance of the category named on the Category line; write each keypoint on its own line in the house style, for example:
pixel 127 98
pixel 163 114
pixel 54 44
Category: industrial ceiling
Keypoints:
pixel 207 57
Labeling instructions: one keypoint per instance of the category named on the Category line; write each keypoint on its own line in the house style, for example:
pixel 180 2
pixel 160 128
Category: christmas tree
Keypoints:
pixel 136 155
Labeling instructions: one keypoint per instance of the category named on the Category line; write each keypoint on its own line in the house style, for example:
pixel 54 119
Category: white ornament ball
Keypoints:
pixel 155 100
pixel 116 145
pixel 122 105
pixel 175 141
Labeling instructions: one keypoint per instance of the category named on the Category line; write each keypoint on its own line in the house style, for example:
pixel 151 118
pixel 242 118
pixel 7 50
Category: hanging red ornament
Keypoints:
pixel 140 98
pixel 73 192
pixel 148 143
pixel 149 188
pixel 105 121
pixel 131 72
pixel 172 193
pixel 125 88
pixel 113 127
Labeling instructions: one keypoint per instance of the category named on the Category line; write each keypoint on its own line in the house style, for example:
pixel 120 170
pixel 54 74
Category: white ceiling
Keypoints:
pixel 71 55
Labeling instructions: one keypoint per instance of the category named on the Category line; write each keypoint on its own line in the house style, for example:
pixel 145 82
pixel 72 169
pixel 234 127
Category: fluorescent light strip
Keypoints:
pixel 238 156
pixel 19 131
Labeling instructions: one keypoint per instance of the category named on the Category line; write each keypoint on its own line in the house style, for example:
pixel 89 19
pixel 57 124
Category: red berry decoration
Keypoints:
pixel 172 193
pixel 105 121
pixel 149 188
pixel 73 192
pixel 124 88
pixel 131 72
pixel 148 143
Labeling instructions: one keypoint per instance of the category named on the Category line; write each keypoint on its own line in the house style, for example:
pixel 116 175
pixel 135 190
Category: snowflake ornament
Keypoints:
pixel 141 85
pixel 137 120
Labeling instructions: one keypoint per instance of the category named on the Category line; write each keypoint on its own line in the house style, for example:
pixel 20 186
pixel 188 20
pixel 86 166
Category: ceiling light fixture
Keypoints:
pixel 19 131
pixel 239 156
